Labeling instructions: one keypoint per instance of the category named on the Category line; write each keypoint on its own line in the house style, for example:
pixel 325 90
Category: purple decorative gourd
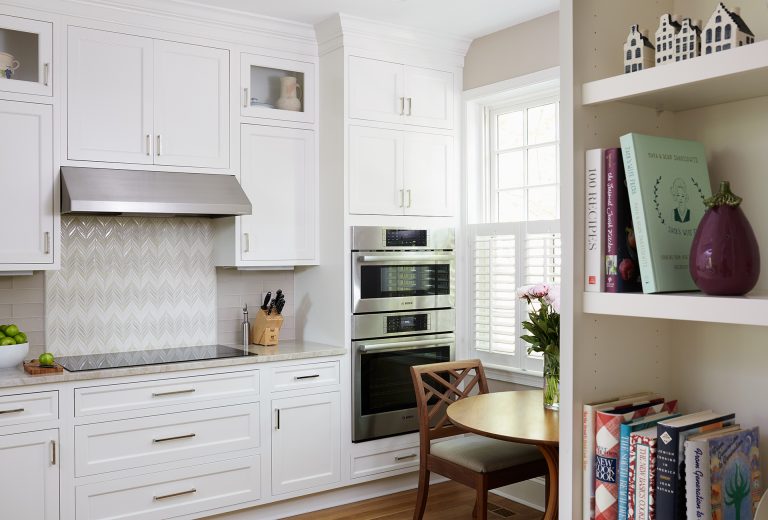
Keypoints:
pixel 725 257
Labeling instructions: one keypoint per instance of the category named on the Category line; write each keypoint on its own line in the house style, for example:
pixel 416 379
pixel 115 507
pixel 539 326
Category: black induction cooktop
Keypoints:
pixel 149 357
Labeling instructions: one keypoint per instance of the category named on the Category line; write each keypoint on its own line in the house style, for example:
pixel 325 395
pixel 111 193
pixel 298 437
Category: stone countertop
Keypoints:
pixel 285 351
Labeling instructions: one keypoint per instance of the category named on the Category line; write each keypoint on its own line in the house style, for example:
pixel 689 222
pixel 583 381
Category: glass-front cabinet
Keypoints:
pixel 276 88
pixel 26 50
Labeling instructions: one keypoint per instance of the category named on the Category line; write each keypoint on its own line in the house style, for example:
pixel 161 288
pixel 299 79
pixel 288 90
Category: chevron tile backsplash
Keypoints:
pixel 131 284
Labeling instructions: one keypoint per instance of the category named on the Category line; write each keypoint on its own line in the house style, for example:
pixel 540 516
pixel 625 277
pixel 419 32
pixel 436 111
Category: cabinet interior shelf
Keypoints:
pixel 733 75
pixel 740 310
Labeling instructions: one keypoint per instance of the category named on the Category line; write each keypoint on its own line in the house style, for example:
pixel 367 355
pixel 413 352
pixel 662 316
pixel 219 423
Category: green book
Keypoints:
pixel 668 181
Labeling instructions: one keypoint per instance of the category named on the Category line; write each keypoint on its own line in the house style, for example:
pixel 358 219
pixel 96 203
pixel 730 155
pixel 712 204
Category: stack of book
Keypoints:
pixel 644 460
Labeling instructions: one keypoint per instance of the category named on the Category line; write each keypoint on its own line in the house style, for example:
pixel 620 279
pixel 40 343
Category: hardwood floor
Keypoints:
pixel 447 501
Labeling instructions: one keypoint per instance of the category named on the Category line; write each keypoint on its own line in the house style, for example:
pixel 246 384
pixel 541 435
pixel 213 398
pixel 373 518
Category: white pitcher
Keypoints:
pixel 8 64
pixel 288 95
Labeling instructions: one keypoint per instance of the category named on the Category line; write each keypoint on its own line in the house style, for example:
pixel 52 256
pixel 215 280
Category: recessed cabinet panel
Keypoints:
pixel 29 475
pixel 428 179
pixel 376 90
pixel 27 49
pixel 375 171
pixel 429 97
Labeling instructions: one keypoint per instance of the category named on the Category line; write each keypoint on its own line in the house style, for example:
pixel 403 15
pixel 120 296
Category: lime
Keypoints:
pixel 46 360
pixel 20 338
pixel 11 331
pixel 1 334
pixel 7 341
pixel 2 328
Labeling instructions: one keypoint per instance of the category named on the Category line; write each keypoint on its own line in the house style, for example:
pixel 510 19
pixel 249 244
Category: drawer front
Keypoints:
pixel 365 465
pixel 151 394
pixel 133 443
pixel 171 493
pixel 305 376
pixel 29 408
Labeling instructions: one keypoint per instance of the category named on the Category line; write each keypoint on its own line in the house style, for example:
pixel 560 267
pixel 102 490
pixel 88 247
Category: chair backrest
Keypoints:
pixel 444 384
pixel 762 508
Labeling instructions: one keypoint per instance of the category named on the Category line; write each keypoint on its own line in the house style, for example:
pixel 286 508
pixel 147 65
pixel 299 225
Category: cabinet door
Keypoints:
pixel 429 97
pixel 26 172
pixel 31 490
pixel 375 90
pixel 375 171
pixel 109 97
pixel 261 88
pixel 428 174
pixel 306 442
pixel 279 175
pixel 191 105
pixel 28 45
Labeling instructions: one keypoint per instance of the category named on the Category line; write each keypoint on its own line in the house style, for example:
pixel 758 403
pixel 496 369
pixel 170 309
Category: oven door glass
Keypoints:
pixel 404 280
pixel 385 377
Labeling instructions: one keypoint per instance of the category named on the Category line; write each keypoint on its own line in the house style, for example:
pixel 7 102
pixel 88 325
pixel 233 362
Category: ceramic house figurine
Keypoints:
pixel 725 30
pixel 666 35
pixel 638 51
pixel 688 40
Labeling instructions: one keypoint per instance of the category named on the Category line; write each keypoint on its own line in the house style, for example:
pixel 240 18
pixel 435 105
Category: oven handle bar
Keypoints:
pixel 381 347
pixel 404 258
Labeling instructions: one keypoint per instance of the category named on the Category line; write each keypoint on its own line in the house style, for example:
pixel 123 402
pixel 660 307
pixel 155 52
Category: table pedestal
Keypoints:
pixel 551 455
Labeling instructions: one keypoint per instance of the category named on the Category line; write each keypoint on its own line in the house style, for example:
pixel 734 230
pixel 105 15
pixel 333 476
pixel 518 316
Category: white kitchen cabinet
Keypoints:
pixel 306 442
pixel 28 178
pixel 397 93
pixel 30 45
pixel 261 78
pixel 394 172
pixel 142 101
pixel 29 478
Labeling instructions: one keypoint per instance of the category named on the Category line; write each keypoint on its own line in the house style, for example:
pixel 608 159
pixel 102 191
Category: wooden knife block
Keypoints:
pixel 265 329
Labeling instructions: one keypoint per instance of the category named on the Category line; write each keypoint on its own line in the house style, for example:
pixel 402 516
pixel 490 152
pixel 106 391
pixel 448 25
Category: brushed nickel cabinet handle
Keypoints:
pixel 159 145
pixel 149 144
pixel 15 410
pixel 172 495
pixel 277 418
pixel 247 240
pixel 299 378
pixel 53 453
pixel 402 198
pixel 405 457
pixel 402 106
pixel 46 69
pixel 245 97
pixel 410 106
pixel 175 438
pixel 47 243
pixel 174 392
pixel 410 198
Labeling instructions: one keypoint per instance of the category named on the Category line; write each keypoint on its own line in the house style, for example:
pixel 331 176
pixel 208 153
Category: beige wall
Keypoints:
pixel 515 51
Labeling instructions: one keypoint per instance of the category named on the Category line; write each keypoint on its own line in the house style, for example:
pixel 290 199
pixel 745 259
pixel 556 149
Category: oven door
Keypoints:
pixel 403 280
pixel 383 400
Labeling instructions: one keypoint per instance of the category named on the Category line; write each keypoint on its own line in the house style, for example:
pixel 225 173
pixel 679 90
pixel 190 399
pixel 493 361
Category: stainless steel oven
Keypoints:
pixel 402 269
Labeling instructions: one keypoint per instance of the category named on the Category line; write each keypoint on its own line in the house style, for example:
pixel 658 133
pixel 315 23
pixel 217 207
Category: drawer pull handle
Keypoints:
pixel 405 457
pixel 299 378
pixel 173 392
pixel 176 438
pixel 15 410
pixel 172 495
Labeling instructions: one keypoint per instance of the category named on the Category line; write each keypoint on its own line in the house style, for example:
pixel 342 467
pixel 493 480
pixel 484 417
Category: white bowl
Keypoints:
pixel 13 355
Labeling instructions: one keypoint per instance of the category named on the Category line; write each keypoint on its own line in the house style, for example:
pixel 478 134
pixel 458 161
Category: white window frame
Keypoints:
pixel 541 86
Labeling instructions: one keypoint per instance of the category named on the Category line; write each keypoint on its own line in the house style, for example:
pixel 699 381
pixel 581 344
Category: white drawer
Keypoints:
pixel 365 465
pixel 150 394
pixel 28 408
pixel 171 493
pixel 305 376
pixel 133 443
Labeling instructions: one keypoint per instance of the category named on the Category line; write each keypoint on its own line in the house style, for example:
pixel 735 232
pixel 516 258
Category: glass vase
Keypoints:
pixel 551 383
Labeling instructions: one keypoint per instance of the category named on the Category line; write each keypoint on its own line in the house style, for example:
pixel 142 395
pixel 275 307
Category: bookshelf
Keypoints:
pixel 708 352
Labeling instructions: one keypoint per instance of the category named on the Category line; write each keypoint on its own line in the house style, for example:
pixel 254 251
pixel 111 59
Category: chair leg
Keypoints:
pixel 421 497
pixel 481 503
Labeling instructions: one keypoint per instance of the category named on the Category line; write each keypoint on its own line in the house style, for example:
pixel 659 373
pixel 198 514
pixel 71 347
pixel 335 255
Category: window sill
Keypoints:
pixel 514 375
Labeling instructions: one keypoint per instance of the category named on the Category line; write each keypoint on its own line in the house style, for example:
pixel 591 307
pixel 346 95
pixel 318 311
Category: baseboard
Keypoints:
pixel 529 493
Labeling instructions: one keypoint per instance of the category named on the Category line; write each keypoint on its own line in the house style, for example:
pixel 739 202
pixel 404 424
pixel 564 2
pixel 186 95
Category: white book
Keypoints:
pixel 698 485
pixel 594 221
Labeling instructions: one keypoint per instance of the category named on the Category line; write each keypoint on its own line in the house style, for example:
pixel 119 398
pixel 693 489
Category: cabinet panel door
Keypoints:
pixel 30 42
pixel 26 171
pixel 375 171
pixel 306 442
pixel 279 176
pixel 375 90
pixel 428 174
pixel 430 97
pixel 31 490
pixel 109 97
pixel 191 105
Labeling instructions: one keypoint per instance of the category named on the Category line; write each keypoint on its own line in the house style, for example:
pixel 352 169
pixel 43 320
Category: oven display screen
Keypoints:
pixel 393 281
pixel 406 238
pixel 410 323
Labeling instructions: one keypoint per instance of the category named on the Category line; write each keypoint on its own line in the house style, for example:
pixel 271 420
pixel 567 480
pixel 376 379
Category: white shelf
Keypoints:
pixel 732 75
pixel 741 310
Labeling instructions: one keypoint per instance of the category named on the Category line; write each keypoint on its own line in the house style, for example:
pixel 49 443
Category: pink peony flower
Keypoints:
pixel 533 291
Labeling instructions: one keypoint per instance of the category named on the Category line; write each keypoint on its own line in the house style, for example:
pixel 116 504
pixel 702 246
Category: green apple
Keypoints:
pixel 3 327
pixel 46 360
pixel 1 334
pixel 20 338
pixel 11 331
pixel 7 341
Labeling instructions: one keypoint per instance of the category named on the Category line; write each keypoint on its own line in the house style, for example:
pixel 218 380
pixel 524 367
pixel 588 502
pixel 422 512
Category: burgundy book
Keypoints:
pixel 622 268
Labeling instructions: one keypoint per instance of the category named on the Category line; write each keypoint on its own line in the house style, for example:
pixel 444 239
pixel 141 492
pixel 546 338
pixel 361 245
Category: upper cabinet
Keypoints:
pixel 275 88
pixel 396 93
pixel 26 52
pixel 142 101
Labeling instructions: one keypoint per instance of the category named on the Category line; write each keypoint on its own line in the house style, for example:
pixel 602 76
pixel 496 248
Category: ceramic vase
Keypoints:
pixel 725 257
pixel 289 92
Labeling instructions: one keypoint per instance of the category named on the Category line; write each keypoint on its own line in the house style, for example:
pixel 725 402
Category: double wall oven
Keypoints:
pixel 403 283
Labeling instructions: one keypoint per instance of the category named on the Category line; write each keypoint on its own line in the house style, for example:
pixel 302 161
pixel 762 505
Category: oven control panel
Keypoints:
pixel 405 238
pixel 407 323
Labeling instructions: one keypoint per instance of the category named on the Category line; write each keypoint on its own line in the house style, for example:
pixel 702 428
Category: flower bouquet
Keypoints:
pixel 543 327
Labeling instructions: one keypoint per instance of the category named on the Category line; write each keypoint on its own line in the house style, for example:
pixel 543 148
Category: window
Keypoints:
pixel 629 54
pixel 634 42
pixel 709 35
pixel 718 19
pixel 513 230
pixel 718 34
pixel 626 69
pixel 634 67
pixel 637 52
pixel 728 31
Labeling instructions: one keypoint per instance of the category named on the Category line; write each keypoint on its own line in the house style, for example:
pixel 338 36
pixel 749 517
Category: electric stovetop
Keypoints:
pixel 149 357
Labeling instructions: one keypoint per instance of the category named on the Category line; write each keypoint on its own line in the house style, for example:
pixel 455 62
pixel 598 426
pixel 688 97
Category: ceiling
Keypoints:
pixel 467 18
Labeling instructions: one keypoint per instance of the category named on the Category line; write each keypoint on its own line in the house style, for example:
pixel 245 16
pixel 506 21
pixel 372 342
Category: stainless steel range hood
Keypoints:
pixel 138 192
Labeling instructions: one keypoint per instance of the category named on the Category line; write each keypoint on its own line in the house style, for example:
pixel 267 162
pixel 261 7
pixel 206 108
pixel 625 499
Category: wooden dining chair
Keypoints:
pixel 479 462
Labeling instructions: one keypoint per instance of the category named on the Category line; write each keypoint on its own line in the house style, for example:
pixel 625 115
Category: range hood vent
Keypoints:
pixel 139 192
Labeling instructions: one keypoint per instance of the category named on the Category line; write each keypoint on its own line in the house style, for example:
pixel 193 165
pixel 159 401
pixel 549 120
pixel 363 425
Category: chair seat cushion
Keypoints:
pixel 485 455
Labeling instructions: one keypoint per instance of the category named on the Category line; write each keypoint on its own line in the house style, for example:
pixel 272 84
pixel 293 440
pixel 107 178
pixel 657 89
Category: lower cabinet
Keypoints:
pixel 31 494
pixel 306 442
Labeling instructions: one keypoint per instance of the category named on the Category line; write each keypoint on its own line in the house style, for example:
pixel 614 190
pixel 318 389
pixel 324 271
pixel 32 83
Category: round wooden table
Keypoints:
pixel 515 417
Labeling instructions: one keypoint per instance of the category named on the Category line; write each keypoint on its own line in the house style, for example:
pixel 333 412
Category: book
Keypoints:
pixel 642 474
pixel 607 431
pixel 626 429
pixel 735 483
pixel 667 181
pixel 622 267
pixel 698 497
pixel 670 463
pixel 594 218
pixel 588 445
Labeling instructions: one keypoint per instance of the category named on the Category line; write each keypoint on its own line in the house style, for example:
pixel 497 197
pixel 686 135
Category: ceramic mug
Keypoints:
pixel 8 64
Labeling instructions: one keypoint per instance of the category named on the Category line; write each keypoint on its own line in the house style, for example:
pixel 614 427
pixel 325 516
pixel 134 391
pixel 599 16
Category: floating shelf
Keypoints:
pixel 732 75
pixel 741 310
